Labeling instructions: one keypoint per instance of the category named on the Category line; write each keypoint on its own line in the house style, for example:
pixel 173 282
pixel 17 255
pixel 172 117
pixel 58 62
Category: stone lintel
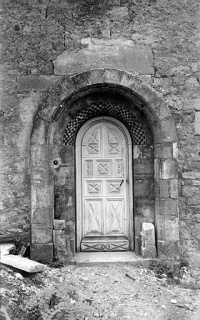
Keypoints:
pixel 123 55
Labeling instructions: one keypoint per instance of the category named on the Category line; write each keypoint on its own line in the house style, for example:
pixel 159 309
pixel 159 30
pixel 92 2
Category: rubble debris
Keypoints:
pixel 129 276
pixel 5 248
pixel 4 312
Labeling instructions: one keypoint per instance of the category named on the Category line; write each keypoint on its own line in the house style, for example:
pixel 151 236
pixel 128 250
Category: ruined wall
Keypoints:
pixel 162 40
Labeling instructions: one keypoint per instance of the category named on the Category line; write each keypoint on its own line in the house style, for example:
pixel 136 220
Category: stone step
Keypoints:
pixel 96 258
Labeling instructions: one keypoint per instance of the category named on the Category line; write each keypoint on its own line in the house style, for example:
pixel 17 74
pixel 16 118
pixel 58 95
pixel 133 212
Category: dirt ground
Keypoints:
pixel 112 292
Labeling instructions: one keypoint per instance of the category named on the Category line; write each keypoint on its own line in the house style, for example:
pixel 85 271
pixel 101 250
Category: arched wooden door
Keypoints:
pixel 104 186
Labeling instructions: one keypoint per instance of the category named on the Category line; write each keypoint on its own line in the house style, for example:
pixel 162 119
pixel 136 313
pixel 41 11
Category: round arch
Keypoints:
pixel 52 109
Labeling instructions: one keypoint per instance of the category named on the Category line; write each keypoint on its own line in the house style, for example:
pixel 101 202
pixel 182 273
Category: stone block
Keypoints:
pixel 64 176
pixel 169 130
pixel 148 249
pixel 167 188
pixel 22 263
pixel 165 168
pixel 167 207
pixel 191 201
pixel 43 216
pixel 115 53
pixel 144 208
pixel 190 191
pixel 163 189
pixel 41 234
pixel 173 188
pixel 33 83
pixel 68 214
pixel 42 197
pixel 59 224
pixel 168 249
pixel 143 168
pixel 175 150
pixel 191 175
pixel 197 123
pixel 62 250
pixel 39 135
pixel 67 155
pixel 163 151
pixel 42 252
pixel 196 104
pixel 39 154
pixel 167 229
pixel 144 188
pixel 148 235
pixel 148 253
pixel 161 108
pixel 138 245
pixel 111 76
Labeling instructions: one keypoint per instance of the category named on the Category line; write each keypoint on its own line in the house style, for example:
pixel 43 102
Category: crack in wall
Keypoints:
pixel 47 8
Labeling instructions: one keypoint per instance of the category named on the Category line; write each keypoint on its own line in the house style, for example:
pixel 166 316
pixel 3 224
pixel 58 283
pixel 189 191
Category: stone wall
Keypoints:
pixel 42 40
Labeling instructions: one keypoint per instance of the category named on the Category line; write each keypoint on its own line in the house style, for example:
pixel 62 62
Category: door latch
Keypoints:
pixel 121 183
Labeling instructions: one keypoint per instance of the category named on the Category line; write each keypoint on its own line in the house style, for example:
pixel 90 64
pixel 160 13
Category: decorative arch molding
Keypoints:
pixel 51 111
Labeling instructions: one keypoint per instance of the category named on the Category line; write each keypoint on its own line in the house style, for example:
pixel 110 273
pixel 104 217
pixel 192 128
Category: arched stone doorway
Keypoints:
pixel 104 202
pixel 61 114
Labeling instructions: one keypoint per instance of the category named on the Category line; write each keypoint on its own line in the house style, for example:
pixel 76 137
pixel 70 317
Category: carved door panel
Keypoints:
pixel 105 218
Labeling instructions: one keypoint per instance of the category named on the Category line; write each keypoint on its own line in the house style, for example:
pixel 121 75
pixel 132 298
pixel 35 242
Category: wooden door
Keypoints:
pixel 104 188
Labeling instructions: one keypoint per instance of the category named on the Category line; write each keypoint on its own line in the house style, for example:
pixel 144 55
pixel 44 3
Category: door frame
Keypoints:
pixel 78 178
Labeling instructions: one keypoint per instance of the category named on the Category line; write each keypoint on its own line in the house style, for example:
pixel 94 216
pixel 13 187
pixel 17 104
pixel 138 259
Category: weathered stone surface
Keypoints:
pixel 143 168
pixel 148 248
pixel 197 123
pixel 62 250
pixel 196 104
pixel 166 168
pixel 33 83
pixel 59 224
pixel 163 151
pixel 168 207
pixel 167 229
pixel 42 252
pixel 22 263
pixel 118 54
pixel 42 216
pixel 191 175
pixel 148 253
pixel 41 234
pixel 168 249
pixel 144 188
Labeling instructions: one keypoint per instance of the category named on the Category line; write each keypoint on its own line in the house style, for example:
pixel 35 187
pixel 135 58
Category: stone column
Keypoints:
pixel 166 200
pixel 41 197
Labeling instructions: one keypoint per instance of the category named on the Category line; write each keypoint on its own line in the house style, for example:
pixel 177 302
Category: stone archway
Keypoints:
pixel 54 105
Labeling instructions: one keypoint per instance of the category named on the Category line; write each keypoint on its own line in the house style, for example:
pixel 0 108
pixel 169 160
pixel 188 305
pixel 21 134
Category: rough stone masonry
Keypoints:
pixel 43 44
